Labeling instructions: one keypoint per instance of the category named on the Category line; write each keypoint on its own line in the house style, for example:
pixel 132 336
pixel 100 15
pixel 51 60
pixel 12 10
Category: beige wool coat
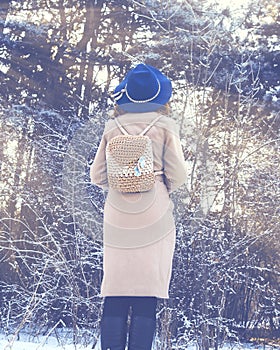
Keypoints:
pixel 139 228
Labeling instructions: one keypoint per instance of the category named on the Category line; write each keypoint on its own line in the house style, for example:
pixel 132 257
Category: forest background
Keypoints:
pixel 59 62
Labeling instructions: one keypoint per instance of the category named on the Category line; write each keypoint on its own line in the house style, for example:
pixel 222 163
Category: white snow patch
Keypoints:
pixel 54 343
pixel 40 343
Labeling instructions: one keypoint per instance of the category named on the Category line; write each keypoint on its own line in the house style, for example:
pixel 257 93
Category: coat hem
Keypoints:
pixel 156 295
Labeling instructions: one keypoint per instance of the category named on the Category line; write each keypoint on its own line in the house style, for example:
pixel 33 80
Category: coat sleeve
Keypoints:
pixel 98 169
pixel 174 164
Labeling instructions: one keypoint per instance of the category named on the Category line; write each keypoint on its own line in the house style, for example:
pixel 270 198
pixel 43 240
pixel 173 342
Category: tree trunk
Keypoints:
pixel 4 9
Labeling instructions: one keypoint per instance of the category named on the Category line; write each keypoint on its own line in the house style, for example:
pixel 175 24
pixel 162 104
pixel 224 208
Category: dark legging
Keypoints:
pixel 140 306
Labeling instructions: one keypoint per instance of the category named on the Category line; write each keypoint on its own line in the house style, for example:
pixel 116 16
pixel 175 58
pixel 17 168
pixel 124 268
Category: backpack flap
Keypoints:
pixel 126 149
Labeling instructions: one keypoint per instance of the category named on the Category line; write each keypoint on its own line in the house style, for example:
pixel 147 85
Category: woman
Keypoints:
pixel 139 228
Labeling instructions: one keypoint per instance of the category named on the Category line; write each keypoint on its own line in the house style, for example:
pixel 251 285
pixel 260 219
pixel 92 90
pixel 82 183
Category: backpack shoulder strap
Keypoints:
pixel 150 125
pixel 122 129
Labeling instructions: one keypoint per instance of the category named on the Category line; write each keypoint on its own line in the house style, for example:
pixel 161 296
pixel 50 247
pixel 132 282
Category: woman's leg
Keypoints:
pixel 143 323
pixel 114 323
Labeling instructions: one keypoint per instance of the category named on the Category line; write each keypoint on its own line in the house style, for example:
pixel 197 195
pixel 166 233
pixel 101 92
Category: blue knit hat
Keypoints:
pixel 144 89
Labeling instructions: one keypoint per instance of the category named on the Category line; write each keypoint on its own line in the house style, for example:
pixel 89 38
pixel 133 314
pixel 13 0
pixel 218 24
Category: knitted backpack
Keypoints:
pixel 129 161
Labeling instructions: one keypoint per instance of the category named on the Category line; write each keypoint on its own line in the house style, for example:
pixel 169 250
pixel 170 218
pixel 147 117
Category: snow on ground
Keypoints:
pixel 53 343
pixel 39 344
